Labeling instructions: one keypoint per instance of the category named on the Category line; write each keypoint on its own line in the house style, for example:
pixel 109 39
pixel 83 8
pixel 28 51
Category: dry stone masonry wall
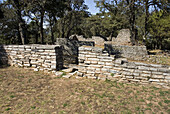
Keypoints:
pixel 131 52
pixel 39 57
pixel 98 64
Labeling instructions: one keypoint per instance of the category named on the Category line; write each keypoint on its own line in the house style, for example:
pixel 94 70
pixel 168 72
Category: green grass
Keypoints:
pixel 41 93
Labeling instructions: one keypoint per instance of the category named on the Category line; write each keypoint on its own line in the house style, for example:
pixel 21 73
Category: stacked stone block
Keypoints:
pixel 39 57
pixel 95 63
pixel 131 52
pixel 98 64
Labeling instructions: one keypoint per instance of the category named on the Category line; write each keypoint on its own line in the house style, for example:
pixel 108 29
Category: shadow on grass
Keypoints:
pixel 3 57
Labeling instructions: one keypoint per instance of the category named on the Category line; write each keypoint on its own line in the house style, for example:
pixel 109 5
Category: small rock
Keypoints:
pixel 68 70
pixel 67 76
pixel 36 69
pixel 59 73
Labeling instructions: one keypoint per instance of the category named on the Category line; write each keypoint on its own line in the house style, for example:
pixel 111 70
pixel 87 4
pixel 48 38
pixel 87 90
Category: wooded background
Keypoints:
pixel 41 21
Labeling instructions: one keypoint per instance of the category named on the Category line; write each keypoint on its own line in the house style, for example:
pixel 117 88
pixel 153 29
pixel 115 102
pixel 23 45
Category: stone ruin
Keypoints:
pixel 93 63
pixel 123 38
pixel 120 46
pixel 94 58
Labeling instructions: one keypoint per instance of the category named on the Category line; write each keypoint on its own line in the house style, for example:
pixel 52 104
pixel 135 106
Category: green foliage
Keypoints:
pixel 40 21
pixel 159 26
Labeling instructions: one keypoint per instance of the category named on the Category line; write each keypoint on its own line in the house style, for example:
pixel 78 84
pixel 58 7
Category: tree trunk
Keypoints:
pixel 19 37
pixel 51 29
pixel 21 23
pixel 62 34
pixel 41 27
pixel 132 21
pixel 146 17
pixel 22 34
pixel 36 38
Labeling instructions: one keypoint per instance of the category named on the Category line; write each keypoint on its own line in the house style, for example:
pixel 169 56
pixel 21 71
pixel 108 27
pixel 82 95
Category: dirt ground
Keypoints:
pixel 25 91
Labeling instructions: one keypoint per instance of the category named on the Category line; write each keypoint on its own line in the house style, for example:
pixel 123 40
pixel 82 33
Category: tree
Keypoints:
pixel 9 27
pixel 72 18
pixel 18 6
pixel 159 26
pixel 125 8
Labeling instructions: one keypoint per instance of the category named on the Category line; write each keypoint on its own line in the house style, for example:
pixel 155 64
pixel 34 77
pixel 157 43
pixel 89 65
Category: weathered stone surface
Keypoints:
pixel 67 76
pixel 98 40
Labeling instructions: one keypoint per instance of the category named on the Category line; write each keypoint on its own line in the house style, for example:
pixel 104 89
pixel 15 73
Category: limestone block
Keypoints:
pixel 107 67
pixel 90 72
pixel 91 56
pixel 164 70
pixel 166 74
pixel 68 70
pixel 138 71
pixel 67 76
pixel 91 68
pixel 132 67
pixel 33 62
pixel 105 70
pixel 53 67
pixel 106 60
pixel 47 61
pixel 153 69
pixel 44 65
pixel 104 54
pixel 53 57
pixel 94 62
pixel 157 73
pixel 117 68
pixel 158 76
pixel 40 50
pixel 143 68
pixel 167 77
pixel 105 57
pixel 81 48
pixel 147 72
pixel 28 49
pixel 118 61
pixel 145 75
pixel 91 77
pixel 109 64
pixel 34 66
pixel 135 74
pixel 45 54
pixel 101 63
pixel 129 77
pixel 36 69
pixel 156 65
pixel 134 80
pixel 113 71
pixel 153 80
pixel 141 64
pixel 93 59
pixel 95 66
pixel 87 62
pixel 52 54
pixel 87 48
pixel 82 55
pixel 26 65
pixel 83 52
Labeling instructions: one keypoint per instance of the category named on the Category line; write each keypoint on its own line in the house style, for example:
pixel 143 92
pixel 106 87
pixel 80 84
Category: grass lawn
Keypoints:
pixel 26 91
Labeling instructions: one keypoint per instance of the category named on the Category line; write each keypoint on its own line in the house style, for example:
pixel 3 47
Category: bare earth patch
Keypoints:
pixel 25 91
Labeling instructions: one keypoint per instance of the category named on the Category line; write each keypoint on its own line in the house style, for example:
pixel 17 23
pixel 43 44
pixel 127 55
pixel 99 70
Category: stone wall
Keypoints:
pixel 98 64
pixel 123 38
pixel 39 57
pixel 131 52
pixel 70 49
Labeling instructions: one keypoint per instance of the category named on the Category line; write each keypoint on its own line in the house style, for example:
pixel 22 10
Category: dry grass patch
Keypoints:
pixel 25 91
